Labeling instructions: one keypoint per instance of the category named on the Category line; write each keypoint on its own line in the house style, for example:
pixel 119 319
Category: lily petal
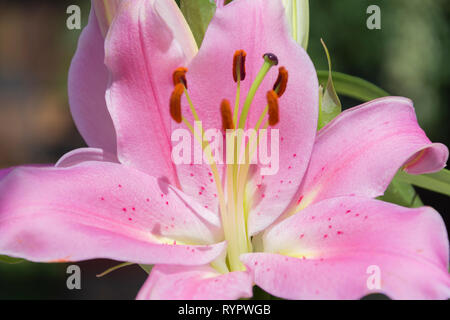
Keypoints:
pixel 171 14
pixel 220 3
pixel 141 54
pixel 101 210
pixel 258 27
pixel 360 151
pixel 88 78
pixel 330 247
pixel 105 11
pixel 80 155
pixel 195 283
pixel 5 171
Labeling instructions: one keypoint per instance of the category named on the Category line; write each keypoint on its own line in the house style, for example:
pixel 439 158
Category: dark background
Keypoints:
pixel 407 57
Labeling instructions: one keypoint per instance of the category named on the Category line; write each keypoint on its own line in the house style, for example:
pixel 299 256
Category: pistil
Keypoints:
pixel 237 174
pixel 233 205
pixel 270 60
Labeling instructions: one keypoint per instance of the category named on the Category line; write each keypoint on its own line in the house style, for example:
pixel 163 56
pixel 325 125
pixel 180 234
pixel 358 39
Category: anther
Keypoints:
pixel 272 100
pixel 280 85
pixel 270 57
pixel 179 76
pixel 175 102
pixel 227 116
pixel 239 65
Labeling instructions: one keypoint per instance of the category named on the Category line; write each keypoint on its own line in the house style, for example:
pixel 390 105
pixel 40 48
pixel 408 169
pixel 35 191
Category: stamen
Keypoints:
pixel 227 116
pixel 239 65
pixel 280 85
pixel 179 76
pixel 179 80
pixel 175 103
pixel 272 101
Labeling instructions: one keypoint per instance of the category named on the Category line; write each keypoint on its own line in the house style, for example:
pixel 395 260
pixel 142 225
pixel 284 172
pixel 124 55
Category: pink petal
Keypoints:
pixel 171 14
pixel 195 283
pixel 362 149
pixel 332 244
pixel 101 210
pixel 88 78
pixel 5 171
pixel 142 53
pixel 258 27
pixel 80 155
pixel 220 3
pixel 105 10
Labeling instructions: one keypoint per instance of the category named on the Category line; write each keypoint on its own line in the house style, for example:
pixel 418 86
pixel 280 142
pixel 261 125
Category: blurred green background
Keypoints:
pixel 407 57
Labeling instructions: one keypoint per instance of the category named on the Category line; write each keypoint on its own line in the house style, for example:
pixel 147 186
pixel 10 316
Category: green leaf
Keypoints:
pixel 10 260
pixel 198 14
pixel 437 182
pixel 329 104
pixel 352 86
pixel 401 193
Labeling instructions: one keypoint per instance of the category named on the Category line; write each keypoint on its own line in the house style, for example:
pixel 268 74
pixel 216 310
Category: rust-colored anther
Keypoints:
pixel 179 76
pixel 175 102
pixel 280 85
pixel 239 65
pixel 274 112
pixel 227 115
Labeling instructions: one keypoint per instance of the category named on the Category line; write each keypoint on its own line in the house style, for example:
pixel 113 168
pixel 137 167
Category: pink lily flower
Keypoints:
pixel 308 232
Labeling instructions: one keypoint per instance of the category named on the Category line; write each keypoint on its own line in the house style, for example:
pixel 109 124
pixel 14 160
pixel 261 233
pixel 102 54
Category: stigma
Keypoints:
pixel 270 57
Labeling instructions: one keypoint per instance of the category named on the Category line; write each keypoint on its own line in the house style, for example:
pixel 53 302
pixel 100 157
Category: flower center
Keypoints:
pixel 233 195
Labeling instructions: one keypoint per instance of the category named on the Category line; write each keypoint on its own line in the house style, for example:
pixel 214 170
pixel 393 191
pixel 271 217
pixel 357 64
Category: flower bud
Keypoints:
pixel 297 12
